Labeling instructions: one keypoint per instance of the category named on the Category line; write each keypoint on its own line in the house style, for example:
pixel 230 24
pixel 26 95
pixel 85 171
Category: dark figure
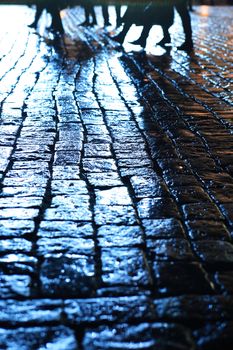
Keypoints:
pixel 182 9
pixel 106 15
pixel 160 13
pixel 147 15
pixel 190 5
pixel 90 17
pixel 54 10
pixel 118 15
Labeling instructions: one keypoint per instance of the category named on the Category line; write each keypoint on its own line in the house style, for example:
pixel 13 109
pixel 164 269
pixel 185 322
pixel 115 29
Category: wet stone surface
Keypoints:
pixel 38 337
pixel 142 336
pixel 124 267
pixel 175 278
pixel 116 185
pixel 63 276
pixel 120 309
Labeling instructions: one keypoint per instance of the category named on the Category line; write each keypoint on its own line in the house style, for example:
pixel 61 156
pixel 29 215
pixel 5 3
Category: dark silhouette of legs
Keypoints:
pixel 166 36
pixel 90 17
pixel 121 36
pixel 182 9
pixel 49 6
pixel 105 15
pixel 144 35
pixel 190 5
pixel 118 15
pixel 56 24
pixel 39 10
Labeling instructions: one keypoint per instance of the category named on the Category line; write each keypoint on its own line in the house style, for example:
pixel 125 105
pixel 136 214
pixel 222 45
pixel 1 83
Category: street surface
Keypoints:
pixel 116 192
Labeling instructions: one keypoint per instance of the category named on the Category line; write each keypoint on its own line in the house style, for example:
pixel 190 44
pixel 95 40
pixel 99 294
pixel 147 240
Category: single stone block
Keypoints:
pixel 92 116
pixel 32 181
pixel 195 308
pixel 214 252
pixel 134 162
pixel 78 214
pixel 135 171
pixel 214 179
pixel 36 312
pixel 170 249
pixel 67 157
pixel 148 187
pixel 174 278
pixel 19 213
pixel 55 337
pixel 16 228
pixel 21 202
pixel 159 336
pixel 201 211
pixel 95 165
pixel 190 194
pixel 12 286
pixel 52 229
pixel 157 208
pixel 174 180
pixel 113 196
pixel 128 154
pixel 15 245
pixel 223 194
pixel 104 179
pixel 115 214
pixel 68 276
pixel 163 228
pixel 125 267
pixel 207 230
pixel 18 263
pixel 69 187
pixel 69 118
pixel 28 173
pixel 119 236
pixel 93 129
pixel 66 172
pixel 109 309
pixel 180 180
pixel 48 247
pixel 98 139
pixel 70 202
pixel 70 131
pixel 31 156
pixel 23 191
pixel 174 166
pixel 97 150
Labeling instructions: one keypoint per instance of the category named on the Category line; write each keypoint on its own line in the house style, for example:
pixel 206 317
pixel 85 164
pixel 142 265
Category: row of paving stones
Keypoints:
pixel 112 182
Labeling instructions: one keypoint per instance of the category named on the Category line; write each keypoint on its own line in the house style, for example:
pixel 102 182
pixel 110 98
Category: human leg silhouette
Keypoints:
pixel 166 36
pixel 144 35
pixel 118 15
pixel 121 36
pixel 182 9
pixel 39 10
pixel 56 24
pixel 90 17
pixel 105 15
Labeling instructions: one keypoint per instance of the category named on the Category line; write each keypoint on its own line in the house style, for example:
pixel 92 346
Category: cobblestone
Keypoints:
pixel 116 186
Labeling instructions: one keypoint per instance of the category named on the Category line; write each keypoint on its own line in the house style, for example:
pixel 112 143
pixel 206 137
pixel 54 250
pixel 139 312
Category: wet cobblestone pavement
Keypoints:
pixel 116 202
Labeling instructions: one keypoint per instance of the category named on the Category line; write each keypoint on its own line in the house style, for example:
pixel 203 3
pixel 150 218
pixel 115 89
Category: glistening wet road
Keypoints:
pixel 116 202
